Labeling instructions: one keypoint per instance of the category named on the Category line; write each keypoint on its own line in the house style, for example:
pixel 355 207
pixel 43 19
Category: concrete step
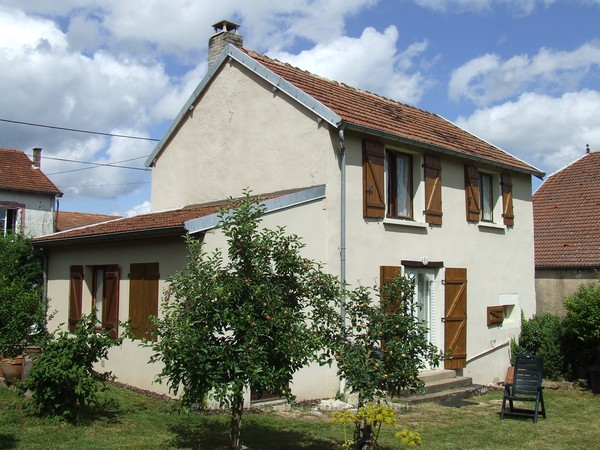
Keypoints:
pixel 448 396
pixel 440 386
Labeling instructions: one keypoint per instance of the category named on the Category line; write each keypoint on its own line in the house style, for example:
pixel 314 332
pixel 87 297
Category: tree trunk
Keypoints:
pixel 236 422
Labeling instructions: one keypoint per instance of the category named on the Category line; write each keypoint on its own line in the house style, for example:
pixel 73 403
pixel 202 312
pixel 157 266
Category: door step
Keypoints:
pixel 441 386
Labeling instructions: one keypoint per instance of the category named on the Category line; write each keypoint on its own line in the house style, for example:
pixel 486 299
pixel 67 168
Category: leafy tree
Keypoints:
pixel 582 325
pixel 22 306
pixel 382 348
pixel 251 319
pixel 63 380
pixel 384 344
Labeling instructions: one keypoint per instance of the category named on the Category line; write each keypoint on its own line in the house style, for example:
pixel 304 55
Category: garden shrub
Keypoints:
pixel 542 335
pixel 22 304
pixel 582 325
pixel 63 379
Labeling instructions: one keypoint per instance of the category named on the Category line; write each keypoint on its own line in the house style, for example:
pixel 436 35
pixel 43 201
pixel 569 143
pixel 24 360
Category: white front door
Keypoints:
pixel 425 294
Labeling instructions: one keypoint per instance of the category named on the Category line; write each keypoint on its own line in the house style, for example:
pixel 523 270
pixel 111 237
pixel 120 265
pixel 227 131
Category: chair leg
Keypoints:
pixel 535 411
pixel 543 407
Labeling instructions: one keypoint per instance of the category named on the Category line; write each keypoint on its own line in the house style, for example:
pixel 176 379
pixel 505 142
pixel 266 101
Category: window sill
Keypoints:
pixel 404 222
pixel 494 226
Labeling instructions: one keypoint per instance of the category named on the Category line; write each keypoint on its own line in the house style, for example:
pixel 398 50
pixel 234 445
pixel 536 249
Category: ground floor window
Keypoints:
pixel 105 296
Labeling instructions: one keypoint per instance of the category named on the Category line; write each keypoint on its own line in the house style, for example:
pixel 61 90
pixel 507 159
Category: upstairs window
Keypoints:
pixel 486 197
pixel 399 185
pixel 8 220
pixel 394 187
pixel 483 193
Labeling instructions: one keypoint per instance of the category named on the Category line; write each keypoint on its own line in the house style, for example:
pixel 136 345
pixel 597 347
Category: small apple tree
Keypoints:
pixel 250 319
pixel 382 348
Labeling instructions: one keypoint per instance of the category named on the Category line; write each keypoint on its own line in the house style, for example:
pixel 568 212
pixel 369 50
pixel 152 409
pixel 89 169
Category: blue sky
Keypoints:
pixel 522 74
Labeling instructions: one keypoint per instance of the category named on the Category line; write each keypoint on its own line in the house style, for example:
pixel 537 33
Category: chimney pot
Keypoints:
pixel 37 157
pixel 226 32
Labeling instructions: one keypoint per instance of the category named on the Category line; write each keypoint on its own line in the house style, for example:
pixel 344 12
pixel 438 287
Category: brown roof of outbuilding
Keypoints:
pixel 379 114
pixel 68 220
pixel 171 221
pixel 18 174
pixel 566 213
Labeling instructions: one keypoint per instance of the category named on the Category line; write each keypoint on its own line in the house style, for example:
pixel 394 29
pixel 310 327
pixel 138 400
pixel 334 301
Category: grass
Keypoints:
pixel 142 422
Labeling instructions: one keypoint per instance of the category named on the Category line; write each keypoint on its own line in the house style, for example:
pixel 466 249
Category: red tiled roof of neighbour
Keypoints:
pixel 69 220
pixel 154 221
pixel 18 174
pixel 566 213
pixel 374 112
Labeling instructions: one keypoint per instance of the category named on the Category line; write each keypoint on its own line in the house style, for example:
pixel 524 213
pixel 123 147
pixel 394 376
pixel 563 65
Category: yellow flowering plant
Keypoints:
pixel 367 422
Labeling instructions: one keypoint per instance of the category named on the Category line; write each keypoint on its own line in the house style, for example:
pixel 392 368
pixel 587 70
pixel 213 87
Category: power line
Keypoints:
pixel 125 136
pixel 101 185
pixel 113 164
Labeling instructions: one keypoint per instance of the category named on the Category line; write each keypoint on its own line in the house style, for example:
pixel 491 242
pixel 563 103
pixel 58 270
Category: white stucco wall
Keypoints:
pixel 499 260
pixel 129 362
pixel 240 135
pixel 36 215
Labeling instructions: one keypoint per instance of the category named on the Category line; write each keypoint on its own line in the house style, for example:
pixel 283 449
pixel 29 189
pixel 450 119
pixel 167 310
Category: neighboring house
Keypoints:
pixel 374 188
pixel 28 199
pixel 566 211
pixel 69 220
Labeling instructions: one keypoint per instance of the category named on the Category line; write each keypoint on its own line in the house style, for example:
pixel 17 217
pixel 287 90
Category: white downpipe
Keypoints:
pixel 343 237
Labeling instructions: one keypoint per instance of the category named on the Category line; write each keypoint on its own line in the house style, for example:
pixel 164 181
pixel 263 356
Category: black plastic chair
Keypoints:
pixel 525 387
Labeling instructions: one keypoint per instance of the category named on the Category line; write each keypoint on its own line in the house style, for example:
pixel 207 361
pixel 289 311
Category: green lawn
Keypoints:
pixel 147 423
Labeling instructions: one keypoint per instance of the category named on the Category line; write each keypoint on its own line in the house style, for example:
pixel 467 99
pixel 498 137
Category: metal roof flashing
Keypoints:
pixel 231 51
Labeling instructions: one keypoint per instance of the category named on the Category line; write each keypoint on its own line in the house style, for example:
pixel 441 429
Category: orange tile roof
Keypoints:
pixel 18 174
pixel 69 220
pixel 155 221
pixel 377 113
pixel 566 213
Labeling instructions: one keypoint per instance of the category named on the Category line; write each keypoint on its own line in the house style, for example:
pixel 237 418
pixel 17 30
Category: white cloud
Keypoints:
pixel 370 62
pixel 50 83
pixel 142 208
pixel 548 132
pixel 488 78
pixel 518 7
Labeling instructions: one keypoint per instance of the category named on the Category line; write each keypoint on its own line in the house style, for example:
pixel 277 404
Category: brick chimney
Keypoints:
pixel 37 158
pixel 225 33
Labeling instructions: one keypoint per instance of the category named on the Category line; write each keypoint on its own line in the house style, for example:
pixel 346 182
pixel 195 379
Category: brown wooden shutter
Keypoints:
pixel 110 316
pixel 472 193
pixel 455 318
pixel 143 298
pixel 75 295
pixel 507 200
pixel 433 190
pixel 373 179
pixel 387 275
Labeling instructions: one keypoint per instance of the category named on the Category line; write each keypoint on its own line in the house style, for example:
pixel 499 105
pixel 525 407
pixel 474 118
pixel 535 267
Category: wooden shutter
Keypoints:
pixel 507 200
pixel 433 190
pixel 143 298
pixel 110 313
pixel 455 318
pixel 373 179
pixel 387 275
pixel 472 193
pixel 75 295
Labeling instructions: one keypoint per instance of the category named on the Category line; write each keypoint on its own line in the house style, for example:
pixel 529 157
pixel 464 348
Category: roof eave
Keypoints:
pixel 278 82
pixel 104 237
pixel 437 148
